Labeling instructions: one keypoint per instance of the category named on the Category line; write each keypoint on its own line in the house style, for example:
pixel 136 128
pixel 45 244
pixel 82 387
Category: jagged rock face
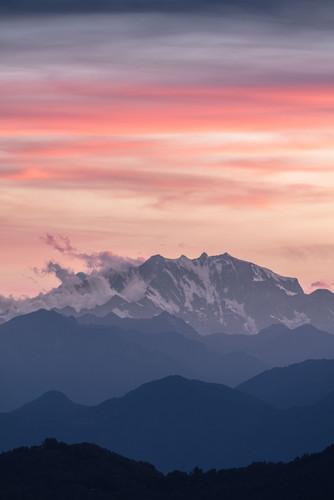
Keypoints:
pixel 219 293
pixel 212 294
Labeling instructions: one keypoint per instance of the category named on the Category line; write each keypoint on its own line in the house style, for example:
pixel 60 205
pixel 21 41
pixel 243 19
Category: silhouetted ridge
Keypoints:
pixel 295 385
pixel 172 422
pixel 278 329
pixel 56 471
pixel 38 319
pixel 277 345
pixel 275 330
pixel 51 402
pixel 175 388
pixel 322 292
pixel 160 323
pixel 105 356
pixel 176 423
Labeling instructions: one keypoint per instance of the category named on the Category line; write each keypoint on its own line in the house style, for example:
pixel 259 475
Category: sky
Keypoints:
pixel 139 133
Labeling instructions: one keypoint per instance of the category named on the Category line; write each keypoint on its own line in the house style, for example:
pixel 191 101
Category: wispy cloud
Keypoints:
pixel 98 261
pixel 309 251
pixel 166 188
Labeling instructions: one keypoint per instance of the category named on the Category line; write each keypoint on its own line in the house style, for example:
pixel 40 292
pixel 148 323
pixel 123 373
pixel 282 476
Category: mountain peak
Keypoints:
pixel 54 395
pixel 210 293
pixel 203 256
pixel 39 318
pixel 49 403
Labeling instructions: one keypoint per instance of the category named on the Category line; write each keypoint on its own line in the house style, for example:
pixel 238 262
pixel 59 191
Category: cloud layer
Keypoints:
pixel 150 133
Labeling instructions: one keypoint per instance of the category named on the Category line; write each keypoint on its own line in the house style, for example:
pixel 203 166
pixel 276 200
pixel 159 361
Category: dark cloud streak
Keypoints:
pixel 285 9
pixel 47 6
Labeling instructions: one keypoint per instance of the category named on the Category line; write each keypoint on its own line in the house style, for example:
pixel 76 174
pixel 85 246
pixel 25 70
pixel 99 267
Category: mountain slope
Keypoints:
pixel 296 385
pixel 179 423
pixel 217 293
pixel 277 345
pixel 58 471
pixel 45 351
pixel 173 422
pixel 161 323
pixel 210 293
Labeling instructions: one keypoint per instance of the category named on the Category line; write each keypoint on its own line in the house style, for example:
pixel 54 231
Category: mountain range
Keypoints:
pixel 176 423
pixel 277 345
pixel 45 351
pixel 215 294
pixel 92 359
pixel 211 294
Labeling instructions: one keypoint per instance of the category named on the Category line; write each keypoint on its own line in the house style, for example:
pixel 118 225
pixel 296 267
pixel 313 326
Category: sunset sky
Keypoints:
pixel 173 134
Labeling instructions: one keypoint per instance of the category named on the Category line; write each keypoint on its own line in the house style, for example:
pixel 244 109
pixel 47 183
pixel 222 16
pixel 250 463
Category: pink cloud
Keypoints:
pixel 165 187
pixel 94 107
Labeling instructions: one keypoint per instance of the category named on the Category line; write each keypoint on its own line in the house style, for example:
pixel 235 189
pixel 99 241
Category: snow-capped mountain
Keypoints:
pixel 212 294
pixel 218 293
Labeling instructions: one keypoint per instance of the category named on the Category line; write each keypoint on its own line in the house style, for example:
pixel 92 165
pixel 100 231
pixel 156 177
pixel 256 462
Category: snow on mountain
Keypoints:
pixel 212 294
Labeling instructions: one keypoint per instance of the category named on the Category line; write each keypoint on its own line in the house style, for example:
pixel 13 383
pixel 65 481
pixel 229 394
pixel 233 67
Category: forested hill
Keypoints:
pixel 56 471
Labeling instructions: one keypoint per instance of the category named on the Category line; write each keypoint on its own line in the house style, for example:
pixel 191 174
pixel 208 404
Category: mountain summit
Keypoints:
pixel 218 293
pixel 210 293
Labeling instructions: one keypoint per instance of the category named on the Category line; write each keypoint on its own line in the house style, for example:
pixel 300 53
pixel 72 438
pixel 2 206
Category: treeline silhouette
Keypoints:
pixel 56 471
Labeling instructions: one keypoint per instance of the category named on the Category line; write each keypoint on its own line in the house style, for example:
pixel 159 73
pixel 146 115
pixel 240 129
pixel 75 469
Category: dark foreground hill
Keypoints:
pixel 176 423
pixel 56 471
